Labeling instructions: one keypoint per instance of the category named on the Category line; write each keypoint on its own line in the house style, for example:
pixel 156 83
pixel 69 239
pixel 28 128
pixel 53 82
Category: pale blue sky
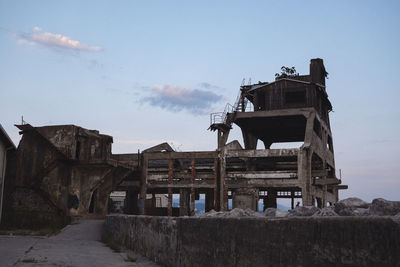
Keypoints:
pixel 151 71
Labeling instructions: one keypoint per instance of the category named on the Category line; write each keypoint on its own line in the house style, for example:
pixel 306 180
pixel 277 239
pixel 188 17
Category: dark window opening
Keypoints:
pixel 261 100
pixel 297 97
pixel 78 150
pixel 92 201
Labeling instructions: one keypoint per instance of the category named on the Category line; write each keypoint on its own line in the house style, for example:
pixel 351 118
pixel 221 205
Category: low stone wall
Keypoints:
pixel 296 241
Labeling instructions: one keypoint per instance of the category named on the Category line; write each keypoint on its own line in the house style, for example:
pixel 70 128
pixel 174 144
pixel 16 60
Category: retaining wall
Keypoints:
pixel 299 241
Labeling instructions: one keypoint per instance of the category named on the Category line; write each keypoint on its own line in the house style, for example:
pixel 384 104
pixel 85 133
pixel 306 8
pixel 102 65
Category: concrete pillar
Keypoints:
pixel 270 199
pixel 292 199
pixel 221 185
pixel 209 200
pixel 304 175
pixel 249 140
pixel 192 190
pixel 131 202
pixel 216 174
pixel 170 172
pixel 143 185
pixel 184 202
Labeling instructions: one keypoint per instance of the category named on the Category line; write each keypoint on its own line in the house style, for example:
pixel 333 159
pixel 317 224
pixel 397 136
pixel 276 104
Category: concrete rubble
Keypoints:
pixel 327 211
pixel 347 207
pixel 272 212
pixel 303 211
pixel 382 207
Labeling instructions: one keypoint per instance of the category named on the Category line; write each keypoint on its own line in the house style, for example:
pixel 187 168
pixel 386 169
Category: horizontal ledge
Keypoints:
pixel 262 175
pixel 264 153
pixel 181 155
pixel 181 186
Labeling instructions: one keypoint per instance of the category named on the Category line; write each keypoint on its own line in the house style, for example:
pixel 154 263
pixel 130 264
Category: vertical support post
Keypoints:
pixel 215 183
pixel 184 200
pixel 324 192
pixel 170 172
pixel 270 200
pixel 304 162
pixel 192 192
pixel 304 174
pixel 143 186
pixel 292 199
pixel 209 200
pixel 222 200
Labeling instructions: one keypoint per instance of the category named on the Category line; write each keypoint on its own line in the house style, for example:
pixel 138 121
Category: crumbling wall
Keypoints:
pixel 54 178
pixel 333 241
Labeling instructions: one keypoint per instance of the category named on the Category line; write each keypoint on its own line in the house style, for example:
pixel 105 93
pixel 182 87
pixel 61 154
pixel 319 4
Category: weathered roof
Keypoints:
pixel 256 86
pixel 5 138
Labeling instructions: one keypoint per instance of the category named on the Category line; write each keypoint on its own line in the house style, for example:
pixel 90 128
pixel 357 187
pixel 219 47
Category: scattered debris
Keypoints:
pixel 347 206
pixel 382 207
pixel 303 211
pixel 272 212
pixel 232 213
pixel 327 211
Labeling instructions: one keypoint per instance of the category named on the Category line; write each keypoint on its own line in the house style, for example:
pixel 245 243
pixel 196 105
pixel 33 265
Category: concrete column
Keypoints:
pixel 143 185
pixel 209 200
pixel 223 201
pixel 249 140
pixel 192 190
pixel 131 202
pixel 270 199
pixel 304 175
pixel 292 199
pixel 170 172
pixel 184 202
pixel 215 199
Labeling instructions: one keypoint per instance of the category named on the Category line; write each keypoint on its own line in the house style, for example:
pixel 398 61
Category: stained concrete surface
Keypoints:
pixel 76 245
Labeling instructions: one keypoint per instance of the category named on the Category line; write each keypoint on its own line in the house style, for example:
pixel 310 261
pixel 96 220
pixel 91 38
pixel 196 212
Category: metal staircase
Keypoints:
pixel 223 120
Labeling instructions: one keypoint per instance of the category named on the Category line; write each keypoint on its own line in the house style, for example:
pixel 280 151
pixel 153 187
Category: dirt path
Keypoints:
pixel 76 245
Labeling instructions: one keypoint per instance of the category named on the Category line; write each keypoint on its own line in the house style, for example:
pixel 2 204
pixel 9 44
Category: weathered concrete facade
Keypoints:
pixel 299 241
pixel 59 172
pixel 7 147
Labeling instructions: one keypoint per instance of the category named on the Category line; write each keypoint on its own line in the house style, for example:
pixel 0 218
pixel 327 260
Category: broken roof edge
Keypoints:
pixel 159 148
pixel 27 126
pixel 7 138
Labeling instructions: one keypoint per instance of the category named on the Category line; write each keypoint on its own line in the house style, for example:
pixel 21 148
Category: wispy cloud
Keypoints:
pixel 210 86
pixel 177 98
pixel 38 37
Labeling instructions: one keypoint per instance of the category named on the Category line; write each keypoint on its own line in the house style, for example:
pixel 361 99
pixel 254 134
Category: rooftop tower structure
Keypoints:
pixel 293 108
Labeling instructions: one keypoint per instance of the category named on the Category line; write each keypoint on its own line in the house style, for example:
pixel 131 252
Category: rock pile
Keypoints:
pixel 347 207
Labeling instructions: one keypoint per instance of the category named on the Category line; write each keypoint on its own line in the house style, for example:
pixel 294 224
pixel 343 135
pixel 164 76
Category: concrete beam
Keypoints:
pixel 182 155
pixel 262 153
pixel 262 175
pixel 275 113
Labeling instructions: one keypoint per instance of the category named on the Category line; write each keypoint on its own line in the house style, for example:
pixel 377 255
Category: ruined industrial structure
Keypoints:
pixel 60 172
pixel 7 148
pixel 64 171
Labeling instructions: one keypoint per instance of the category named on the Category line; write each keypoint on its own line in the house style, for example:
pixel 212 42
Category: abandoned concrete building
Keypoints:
pixel 7 147
pixel 64 171
pixel 60 172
